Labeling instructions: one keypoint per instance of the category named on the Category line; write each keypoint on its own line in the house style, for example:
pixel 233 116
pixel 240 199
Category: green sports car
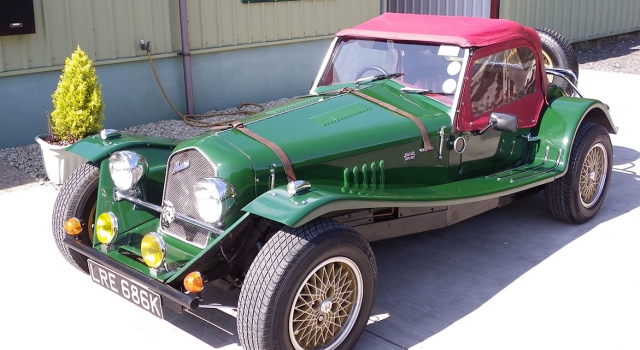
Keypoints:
pixel 413 123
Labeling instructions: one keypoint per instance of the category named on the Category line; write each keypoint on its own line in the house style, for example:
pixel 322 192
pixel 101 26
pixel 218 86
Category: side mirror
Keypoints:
pixel 501 122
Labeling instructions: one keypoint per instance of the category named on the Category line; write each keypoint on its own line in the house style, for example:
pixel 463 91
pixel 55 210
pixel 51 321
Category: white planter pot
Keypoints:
pixel 58 162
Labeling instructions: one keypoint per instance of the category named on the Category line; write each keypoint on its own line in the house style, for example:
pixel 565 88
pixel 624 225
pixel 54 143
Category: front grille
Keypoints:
pixel 184 169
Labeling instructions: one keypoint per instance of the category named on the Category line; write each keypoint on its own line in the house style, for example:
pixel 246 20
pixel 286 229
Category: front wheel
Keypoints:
pixel 309 287
pixel 77 198
pixel 577 196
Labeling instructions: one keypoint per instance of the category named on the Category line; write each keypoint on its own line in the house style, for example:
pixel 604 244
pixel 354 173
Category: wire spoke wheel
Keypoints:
pixel 548 62
pixel 309 287
pixel 326 304
pixel 593 175
pixel 578 196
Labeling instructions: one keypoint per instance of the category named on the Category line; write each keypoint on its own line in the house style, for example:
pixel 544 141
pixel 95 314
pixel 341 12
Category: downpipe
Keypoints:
pixel 186 55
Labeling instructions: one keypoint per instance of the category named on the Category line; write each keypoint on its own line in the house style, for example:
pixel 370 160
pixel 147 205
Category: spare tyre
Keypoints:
pixel 557 53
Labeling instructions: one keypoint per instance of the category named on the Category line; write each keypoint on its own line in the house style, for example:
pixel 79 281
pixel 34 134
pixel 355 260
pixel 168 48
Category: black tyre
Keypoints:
pixel 309 287
pixel 577 196
pixel 77 198
pixel 557 53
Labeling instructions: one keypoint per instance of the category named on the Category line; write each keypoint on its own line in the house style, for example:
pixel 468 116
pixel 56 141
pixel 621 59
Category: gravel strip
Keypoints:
pixel 28 159
pixel 622 56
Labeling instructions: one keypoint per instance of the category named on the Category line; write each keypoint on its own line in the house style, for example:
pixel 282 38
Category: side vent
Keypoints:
pixel 365 179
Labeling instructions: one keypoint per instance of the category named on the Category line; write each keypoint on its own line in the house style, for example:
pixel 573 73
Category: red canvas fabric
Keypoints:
pixel 455 30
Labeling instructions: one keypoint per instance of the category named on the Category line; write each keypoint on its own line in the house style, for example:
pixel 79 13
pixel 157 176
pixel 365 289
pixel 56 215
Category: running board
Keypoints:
pixel 530 172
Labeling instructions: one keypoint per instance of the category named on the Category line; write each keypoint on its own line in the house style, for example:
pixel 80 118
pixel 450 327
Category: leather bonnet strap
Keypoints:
pixel 426 142
pixel 284 159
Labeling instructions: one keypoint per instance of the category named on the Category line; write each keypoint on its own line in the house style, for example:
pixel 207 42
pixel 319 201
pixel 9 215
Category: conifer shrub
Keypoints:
pixel 78 110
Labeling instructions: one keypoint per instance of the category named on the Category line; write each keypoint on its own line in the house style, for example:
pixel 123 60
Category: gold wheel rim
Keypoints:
pixel 593 175
pixel 90 222
pixel 326 305
pixel 546 59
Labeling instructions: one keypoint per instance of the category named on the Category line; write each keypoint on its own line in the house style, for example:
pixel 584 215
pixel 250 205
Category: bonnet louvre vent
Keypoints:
pixel 339 114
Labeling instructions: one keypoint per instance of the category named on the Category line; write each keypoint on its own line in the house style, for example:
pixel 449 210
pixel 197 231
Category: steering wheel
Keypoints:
pixel 368 68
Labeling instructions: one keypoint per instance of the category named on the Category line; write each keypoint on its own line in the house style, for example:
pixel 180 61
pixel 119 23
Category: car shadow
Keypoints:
pixel 430 280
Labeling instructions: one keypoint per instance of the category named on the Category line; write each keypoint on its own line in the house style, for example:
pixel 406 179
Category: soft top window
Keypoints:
pixel 502 78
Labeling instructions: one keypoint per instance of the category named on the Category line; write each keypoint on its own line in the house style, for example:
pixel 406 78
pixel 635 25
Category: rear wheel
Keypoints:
pixel 577 196
pixel 77 198
pixel 309 287
pixel 557 53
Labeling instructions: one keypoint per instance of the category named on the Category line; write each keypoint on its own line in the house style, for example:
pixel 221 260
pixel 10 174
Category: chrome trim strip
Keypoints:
pixel 566 74
pixel 441 134
pixel 455 108
pixel 119 195
pixel 323 66
pixel 544 161
pixel 542 172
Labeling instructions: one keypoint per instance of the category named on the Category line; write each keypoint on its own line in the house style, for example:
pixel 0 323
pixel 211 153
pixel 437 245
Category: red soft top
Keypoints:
pixel 455 30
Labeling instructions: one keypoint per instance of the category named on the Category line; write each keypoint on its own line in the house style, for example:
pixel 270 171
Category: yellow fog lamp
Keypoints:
pixel 153 250
pixel 106 228
pixel 193 282
pixel 73 227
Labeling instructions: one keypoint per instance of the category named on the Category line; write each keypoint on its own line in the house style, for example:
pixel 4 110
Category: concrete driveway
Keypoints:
pixel 512 278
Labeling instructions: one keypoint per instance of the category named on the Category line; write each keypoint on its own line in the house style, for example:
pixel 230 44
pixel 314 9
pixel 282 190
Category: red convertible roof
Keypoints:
pixel 461 31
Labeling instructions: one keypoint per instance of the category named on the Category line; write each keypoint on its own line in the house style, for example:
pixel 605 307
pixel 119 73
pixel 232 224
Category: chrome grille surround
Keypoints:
pixel 184 169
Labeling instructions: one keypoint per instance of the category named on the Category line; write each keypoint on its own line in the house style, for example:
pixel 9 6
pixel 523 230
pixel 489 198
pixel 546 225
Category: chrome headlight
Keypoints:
pixel 127 169
pixel 214 198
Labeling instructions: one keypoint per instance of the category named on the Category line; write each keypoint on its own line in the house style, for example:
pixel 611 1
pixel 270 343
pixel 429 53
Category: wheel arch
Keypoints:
pixel 560 122
pixel 279 206
pixel 95 149
pixel 601 116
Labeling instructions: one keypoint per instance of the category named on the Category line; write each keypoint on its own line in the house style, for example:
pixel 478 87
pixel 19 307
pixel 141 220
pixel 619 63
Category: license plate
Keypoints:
pixel 126 288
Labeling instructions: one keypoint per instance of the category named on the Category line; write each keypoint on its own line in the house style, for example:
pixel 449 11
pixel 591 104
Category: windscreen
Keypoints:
pixel 436 68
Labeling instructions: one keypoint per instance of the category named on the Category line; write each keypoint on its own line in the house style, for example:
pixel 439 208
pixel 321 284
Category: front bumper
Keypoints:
pixel 168 294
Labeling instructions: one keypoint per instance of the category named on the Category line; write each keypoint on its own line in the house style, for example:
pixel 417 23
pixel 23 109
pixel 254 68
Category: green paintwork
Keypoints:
pixel 341 144
pixel 560 122
pixel 360 131
pixel 322 135
pixel 94 148
pixel 557 130
pixel 231 163
pixel 355 154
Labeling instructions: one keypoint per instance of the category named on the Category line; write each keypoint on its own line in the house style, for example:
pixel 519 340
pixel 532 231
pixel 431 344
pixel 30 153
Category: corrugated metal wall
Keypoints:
pixel 112 29
pixel 237 23
pixel 473 8
pixel 577 20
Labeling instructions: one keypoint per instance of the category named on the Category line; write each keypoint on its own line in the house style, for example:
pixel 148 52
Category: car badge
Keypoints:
pixel 168 214
pixel 409 156
pixel 178 167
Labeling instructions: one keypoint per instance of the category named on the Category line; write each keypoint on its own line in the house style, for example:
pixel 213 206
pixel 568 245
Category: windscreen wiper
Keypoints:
pixel 424 91
pixel 378 77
